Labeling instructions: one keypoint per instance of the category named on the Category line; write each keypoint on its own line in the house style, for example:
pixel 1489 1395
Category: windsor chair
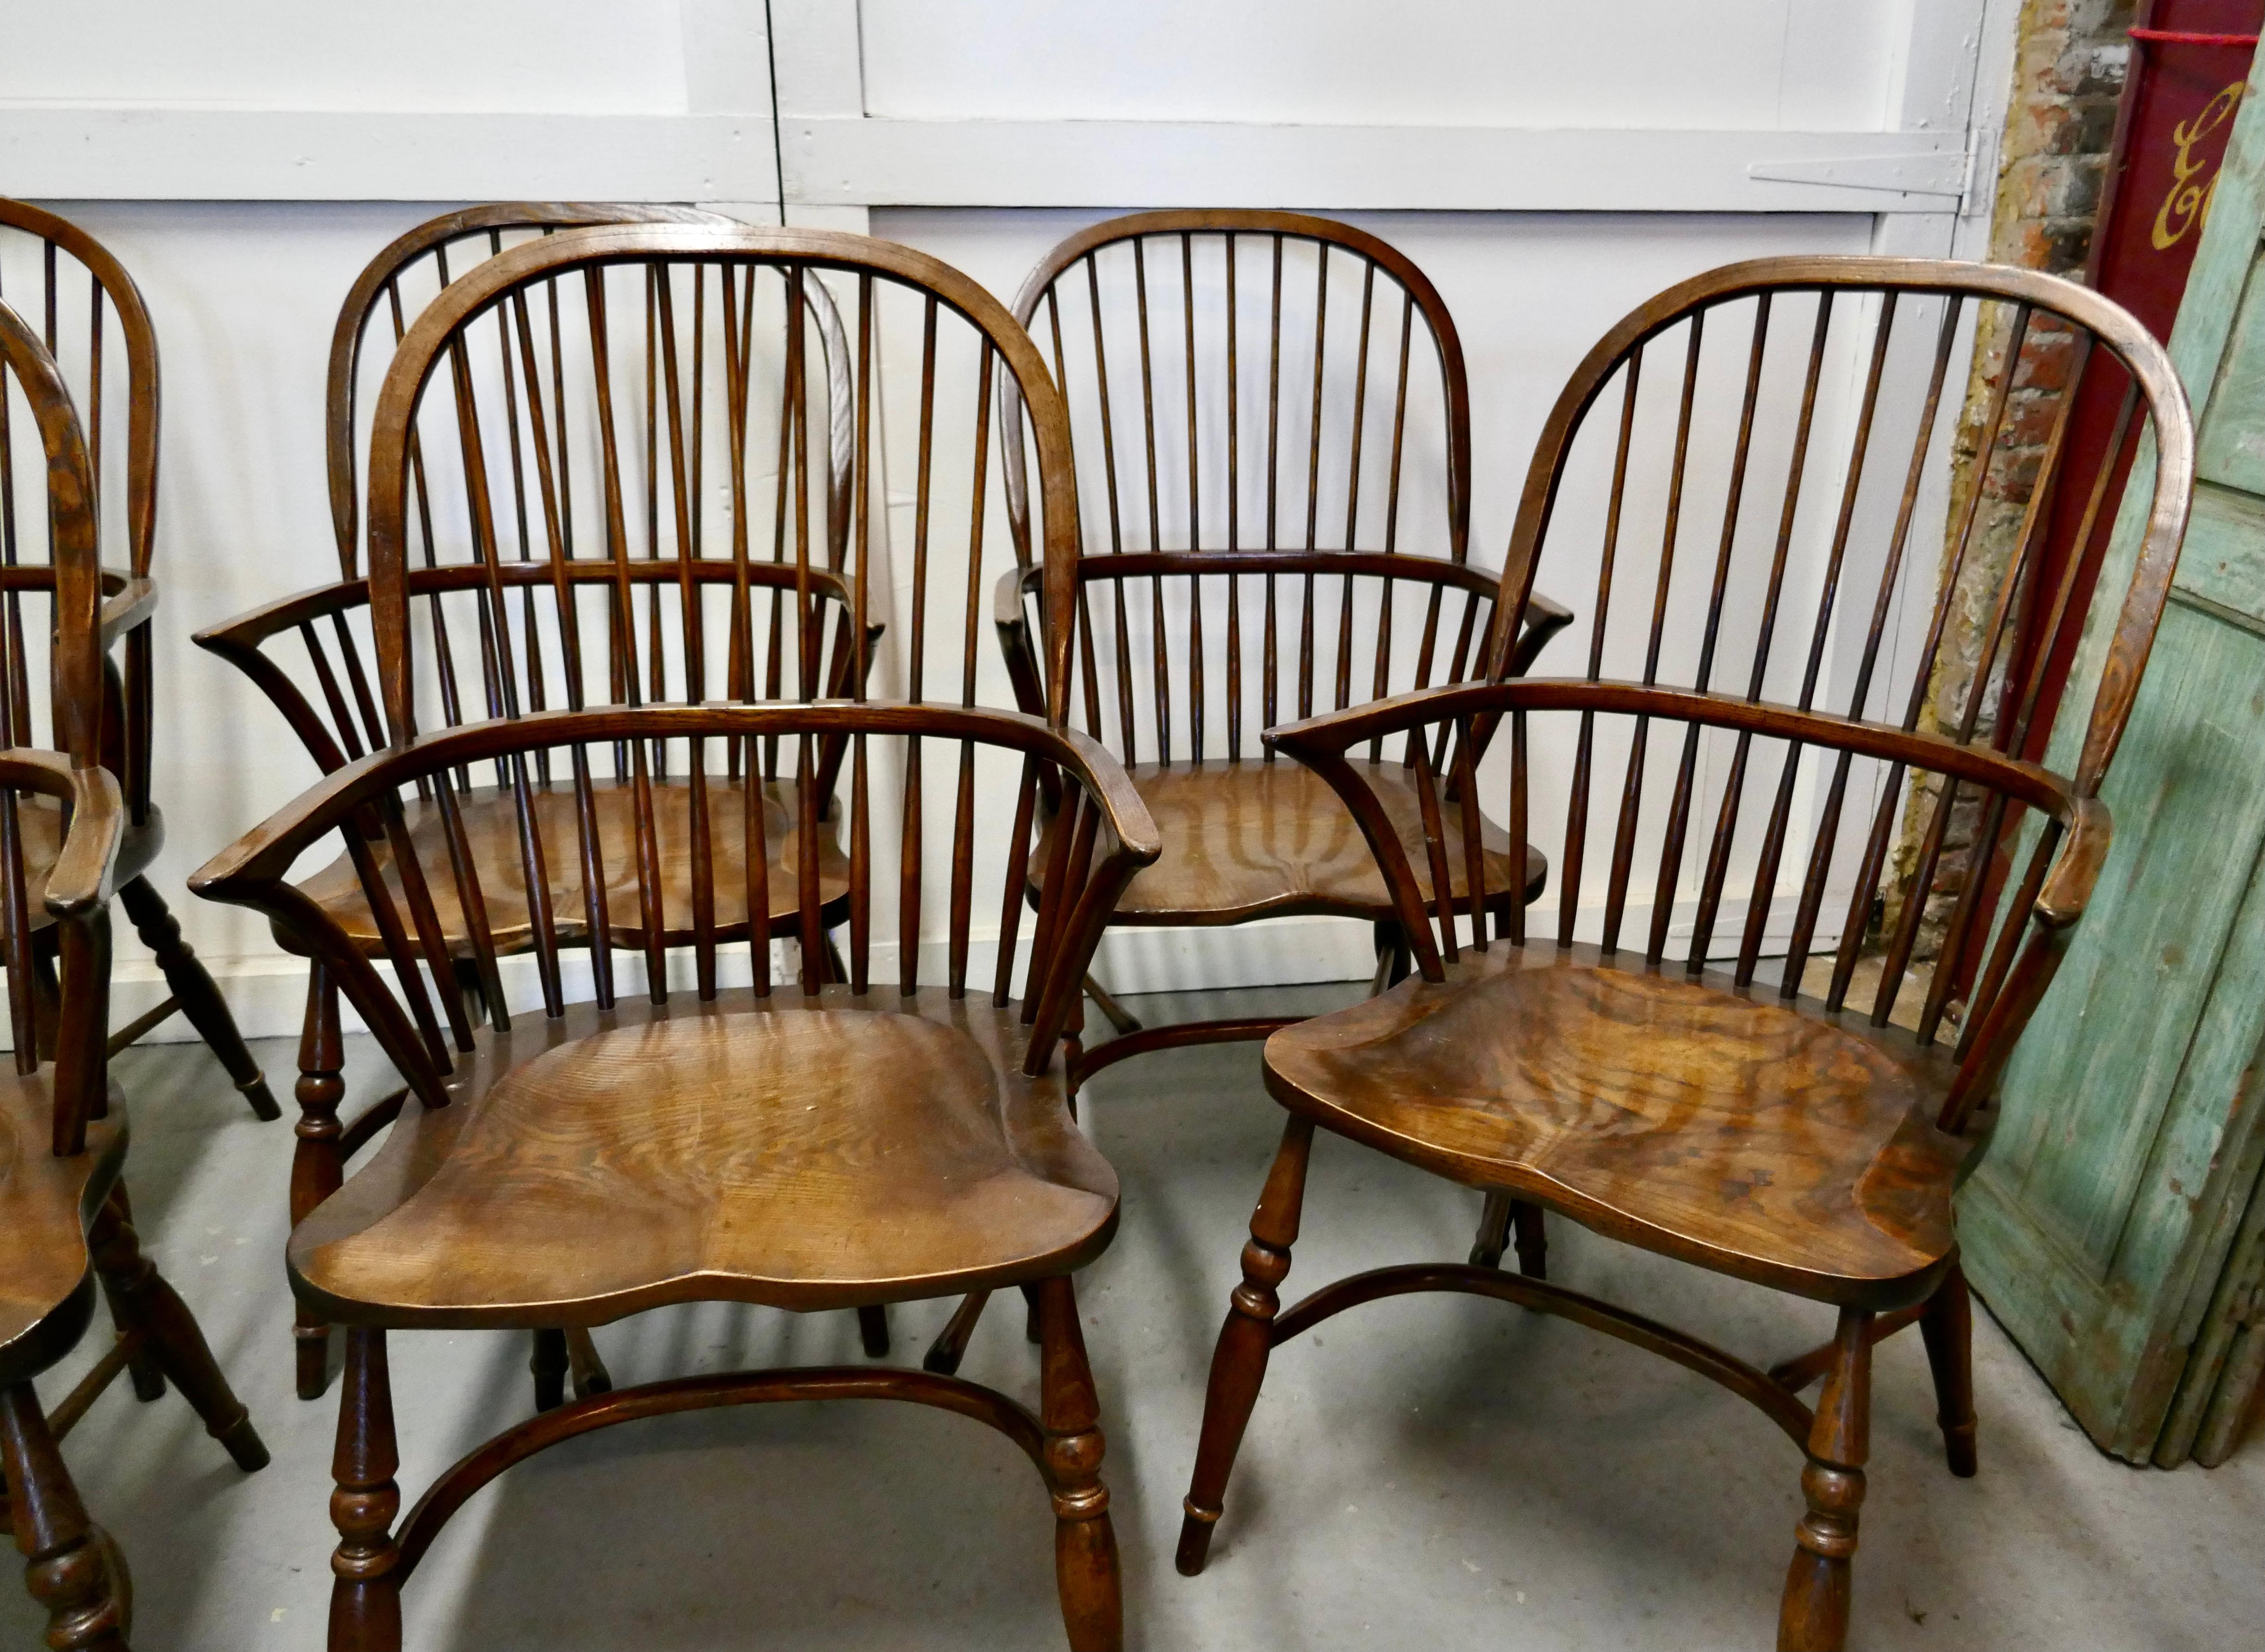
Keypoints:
pixel 62 1122
pixel 1781 1132
pixel 836 1143
pixel 57 252
pixel 1388 601
pixel 314 655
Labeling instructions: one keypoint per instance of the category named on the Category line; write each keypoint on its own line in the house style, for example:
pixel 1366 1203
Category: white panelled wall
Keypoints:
pixel 1548 166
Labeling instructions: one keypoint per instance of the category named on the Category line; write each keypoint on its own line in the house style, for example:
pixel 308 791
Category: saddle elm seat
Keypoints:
pixel 1253 839
pixel 46 1206
pixel 1771 1140
pixel 492 831
pixel 791 1151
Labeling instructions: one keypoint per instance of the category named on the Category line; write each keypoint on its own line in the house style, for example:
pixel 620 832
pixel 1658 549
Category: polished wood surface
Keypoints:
pixel 69 1235
pixel 90 315
pixel 737 1149
pixel 489 822
pixel 1255 840
pixel 503 620
pixel 1654 1084
pixel 1723 1127
pixel 840 1141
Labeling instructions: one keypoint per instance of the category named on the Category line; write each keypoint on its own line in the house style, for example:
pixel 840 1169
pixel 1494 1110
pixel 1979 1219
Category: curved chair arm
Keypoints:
pixel 1014 626
pixel 81 880
pixel 240 641
pixel 131 605
pixel 1544 619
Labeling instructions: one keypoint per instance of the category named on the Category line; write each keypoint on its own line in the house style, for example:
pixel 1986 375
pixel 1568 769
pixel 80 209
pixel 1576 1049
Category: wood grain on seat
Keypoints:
pixel 46 1204
pixel 801 1152
pixel 1255 840
pixel 492 828
pixel 1766 1139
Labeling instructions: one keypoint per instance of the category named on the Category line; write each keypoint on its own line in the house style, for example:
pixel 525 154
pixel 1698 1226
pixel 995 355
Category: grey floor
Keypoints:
pixel 1434 1472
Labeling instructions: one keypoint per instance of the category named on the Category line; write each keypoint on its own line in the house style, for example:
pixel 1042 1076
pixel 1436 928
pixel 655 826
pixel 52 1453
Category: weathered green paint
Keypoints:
pixel 2128 1146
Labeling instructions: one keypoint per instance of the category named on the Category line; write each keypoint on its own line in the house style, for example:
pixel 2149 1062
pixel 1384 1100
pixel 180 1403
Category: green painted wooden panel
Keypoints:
pixel 2131 1135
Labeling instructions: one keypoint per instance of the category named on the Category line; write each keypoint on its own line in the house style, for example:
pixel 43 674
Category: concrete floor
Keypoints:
pixel 1429 1472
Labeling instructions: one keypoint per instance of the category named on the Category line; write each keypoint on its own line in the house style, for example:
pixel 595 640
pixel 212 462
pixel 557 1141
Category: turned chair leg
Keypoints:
pixel 69 1568
pixel 583 1362
pixel 364 1595
pixel 1238 1364
pixel 1948 1327
pixel 152 1306
pixel 318 1161
pixel 1494 1230
pixel 141 1367
pixel 1085 1543
pixel 1814 1617
pixel 199 998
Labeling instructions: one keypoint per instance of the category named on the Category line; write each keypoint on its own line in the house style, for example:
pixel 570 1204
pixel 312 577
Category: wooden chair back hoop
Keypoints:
pixel 2101 319
pixel 76 661
pixel 141 341
pixel 369 291
pixel 591 249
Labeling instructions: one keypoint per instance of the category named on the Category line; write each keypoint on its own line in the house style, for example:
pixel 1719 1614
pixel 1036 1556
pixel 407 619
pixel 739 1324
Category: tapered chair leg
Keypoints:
pixel 1238 1364
pixel 1948 1327
pixel 549 1365
pixel 151 1306
pixel 1532 1241
pixel 873 1331
pixel 68 1568
pixel 148 1376
pixel 1814 1617
pixel 1085 1543
pixel 366 1594
pixel 318 1160
pixel 1494 1231
pixel 200 1000
pixel 951 1344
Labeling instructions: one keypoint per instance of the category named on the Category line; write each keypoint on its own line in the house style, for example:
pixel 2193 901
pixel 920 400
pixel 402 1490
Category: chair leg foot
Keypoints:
pixel 153 1307
pixel 951 1344
pixel 1814 1615
pixel 1238 1364
pixel 1085 1543
pixel 200 1000
pixel 549 1365
pixel 873 1330
pixel 71 1567
pixel 1947 1325
pixel 365 1593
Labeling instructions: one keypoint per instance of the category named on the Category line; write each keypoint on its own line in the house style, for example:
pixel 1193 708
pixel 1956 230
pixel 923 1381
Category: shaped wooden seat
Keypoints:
pixel 804 1152
pixel 1257 840
pixel 1730 793
pixel 491 827
pixel 84 290
pixel 641 1133
pixel 569 610
pixel 1762 1138
pixel 67 1232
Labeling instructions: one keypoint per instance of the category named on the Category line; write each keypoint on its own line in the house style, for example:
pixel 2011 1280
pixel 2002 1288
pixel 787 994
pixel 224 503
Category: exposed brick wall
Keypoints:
pixel 2068 74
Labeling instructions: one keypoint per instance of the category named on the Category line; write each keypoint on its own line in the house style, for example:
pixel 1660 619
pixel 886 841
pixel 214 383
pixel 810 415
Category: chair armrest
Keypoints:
pixel 80 882
pixel 2068 886
pixel 132 604
pixel 1013 627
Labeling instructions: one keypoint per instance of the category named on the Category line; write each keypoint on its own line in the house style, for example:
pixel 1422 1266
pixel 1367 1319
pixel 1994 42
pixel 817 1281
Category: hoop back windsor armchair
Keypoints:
pixel 1301 378
pixel 63 825
pixel 850 1142
pixel 313 654
pixel 89 354
pixel 1640 1071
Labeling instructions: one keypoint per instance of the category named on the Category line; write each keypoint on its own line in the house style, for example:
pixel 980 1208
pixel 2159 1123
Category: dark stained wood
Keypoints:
pixel 1240 843
pixel 1682 1105
pixel 70 1233
pixel 841 1142
pixel 113 722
